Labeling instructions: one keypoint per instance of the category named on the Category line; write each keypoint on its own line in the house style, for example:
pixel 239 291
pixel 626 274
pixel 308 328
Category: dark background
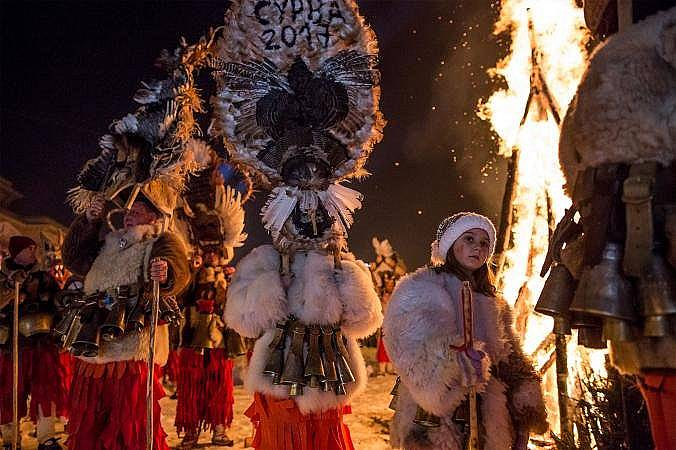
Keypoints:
pixel 70 68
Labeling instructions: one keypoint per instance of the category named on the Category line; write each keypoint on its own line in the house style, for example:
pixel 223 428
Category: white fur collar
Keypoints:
pixel 127 237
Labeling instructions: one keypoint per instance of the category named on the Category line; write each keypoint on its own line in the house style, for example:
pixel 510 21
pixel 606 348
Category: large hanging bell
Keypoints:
pixel 557 293
pixel 658 296
pixel 275 363
pixel 314 367
pixel 329 355
pixel 294 373
pixel 591 337
pixel 201 338
pixel 88 339
pixel 603 291
pixel 235 345
pixel 35 323
pixel 114 325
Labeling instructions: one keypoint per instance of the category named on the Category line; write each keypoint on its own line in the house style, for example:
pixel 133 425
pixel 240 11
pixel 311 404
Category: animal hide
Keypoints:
pixel 624 110
pixel 318 294
pixel 423 321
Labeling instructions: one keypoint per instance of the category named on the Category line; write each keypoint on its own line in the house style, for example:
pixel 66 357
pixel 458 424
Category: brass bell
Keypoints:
pixel 294 372
pixel 658 326
pixel 314 368
pixel 61 329
pixel 618 330
pixel 603 291
pixel 329 356
pixel 275 364
pixel 426 419
pixel 557 293
pixel 591 337
pixel 235 344
pixel 88 339
pixel 68 328
pixel 342 365
pixel 136 320
pixel 35 323
pixel 657 289
pixel 114 325
pixel 201 338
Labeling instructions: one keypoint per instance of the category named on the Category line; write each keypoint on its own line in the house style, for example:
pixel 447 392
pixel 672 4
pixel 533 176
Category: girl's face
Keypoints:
pixel 471 249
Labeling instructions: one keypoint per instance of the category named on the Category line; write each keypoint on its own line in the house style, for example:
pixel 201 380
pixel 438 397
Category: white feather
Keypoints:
pixel 278 208
pixel 341 202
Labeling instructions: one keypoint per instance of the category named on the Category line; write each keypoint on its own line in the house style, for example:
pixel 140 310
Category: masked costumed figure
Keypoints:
pixel 43 372
pixel 134 269
pixel 386 271
pixel 297 104
pixel 613 273
pixel 464 380
pixel 215 219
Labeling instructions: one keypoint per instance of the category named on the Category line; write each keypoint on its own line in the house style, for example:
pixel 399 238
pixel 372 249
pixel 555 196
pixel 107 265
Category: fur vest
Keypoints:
pixel 624 110
pixel 123 257
pixel 422 323
pixel 317 294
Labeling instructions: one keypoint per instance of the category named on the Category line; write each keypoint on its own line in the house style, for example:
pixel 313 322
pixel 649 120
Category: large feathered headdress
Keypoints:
pixel 144 152
pixel 212 204
pixel 297 102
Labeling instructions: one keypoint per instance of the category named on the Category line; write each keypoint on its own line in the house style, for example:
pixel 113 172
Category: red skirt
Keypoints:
pixel 45 374
pixel 381 354
pixel 171 369
pixel 281 426
pixel 108 407
pixel 205 390
pixel 659 390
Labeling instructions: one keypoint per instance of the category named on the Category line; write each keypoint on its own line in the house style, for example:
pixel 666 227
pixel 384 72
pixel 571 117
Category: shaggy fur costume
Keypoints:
pixel 107 265
pixel 423 321
pixel 318 294
pixel 624 111
pixel 625 106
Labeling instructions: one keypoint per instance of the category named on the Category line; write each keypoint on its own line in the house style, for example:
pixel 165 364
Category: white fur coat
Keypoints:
pixel 423 321
pixel 318 294
pixel 625 106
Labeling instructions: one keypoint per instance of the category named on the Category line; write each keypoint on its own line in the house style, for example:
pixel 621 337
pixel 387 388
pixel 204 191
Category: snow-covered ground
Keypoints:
pixel 368 423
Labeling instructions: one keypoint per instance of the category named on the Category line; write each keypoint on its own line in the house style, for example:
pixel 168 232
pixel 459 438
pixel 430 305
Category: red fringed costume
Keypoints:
pixel 281 426
pixel 108 404
pixel 205 390
pixel 171 369
pixel 659 390
pixel 44 373
pixel 381 354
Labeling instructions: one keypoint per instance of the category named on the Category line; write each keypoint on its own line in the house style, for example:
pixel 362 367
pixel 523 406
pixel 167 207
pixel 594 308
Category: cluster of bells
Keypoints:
pixel 425 418
pixel 325 367
pixel 203 337
pixel 91 319
pixel 604 304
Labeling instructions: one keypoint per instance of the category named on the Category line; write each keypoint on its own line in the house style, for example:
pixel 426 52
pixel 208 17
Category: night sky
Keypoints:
pixel 70 68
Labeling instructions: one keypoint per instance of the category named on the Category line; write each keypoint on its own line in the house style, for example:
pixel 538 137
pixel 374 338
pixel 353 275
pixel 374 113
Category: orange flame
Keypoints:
pixel 546 61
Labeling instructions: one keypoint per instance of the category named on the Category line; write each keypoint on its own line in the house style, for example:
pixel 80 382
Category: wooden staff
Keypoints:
pixel 15 366
pixel 150 385
pixel 473 442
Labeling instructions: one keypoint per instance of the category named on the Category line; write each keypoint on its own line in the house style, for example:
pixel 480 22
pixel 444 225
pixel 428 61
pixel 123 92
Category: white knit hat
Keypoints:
pixel 451 228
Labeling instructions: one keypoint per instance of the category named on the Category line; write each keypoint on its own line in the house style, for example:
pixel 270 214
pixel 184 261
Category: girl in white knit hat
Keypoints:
pixel 463 375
